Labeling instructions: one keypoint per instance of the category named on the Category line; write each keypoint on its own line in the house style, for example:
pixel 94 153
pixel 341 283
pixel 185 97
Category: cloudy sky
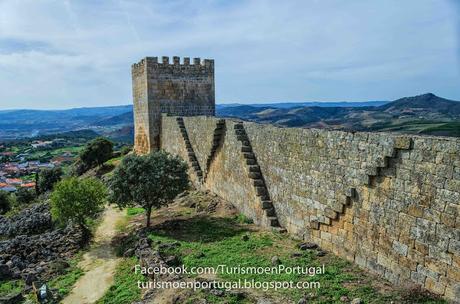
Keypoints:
pixel 60 54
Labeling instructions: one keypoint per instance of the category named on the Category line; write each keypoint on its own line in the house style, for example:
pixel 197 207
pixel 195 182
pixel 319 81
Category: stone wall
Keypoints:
pixel 389 203
pixel 175 88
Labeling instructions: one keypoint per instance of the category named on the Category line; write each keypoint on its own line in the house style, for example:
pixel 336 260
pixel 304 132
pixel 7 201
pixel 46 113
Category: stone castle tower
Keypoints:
pixel 180 89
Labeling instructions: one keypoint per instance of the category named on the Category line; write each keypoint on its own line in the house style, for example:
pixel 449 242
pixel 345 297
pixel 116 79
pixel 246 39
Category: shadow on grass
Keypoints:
pixel 199 229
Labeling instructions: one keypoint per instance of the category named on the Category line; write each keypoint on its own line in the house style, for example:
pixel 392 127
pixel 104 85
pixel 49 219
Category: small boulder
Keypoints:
pixel 307 246
pixel 321 253
pixel 217 292
pixel 264 301
pixel 357 301
pixel 276 260
pixel 302 301
pixel 296 255
pixel 5 272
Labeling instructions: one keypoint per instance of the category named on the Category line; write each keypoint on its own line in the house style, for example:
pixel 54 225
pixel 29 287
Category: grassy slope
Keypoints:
pixel 124 289
pixel 212 242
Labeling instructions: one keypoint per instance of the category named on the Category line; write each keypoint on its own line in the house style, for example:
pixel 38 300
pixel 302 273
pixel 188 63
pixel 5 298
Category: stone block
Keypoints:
pixel 434 286
pixel 400 248
pixel 330 213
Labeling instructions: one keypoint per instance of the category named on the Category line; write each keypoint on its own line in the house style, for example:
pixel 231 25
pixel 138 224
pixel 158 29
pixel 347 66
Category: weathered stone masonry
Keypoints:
pixel 389 203
pixel 182 89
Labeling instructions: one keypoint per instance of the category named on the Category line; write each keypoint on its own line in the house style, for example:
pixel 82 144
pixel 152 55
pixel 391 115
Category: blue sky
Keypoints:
pixel 60 54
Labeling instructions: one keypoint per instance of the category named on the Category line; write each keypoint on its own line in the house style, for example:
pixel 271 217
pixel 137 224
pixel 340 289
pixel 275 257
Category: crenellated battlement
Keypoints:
pixel 173 86
pixel 176 61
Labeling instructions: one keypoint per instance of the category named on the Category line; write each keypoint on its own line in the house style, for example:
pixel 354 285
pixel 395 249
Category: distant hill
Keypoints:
pixel 323 104
pixel 423 114
pixel 16 124
pixel 427 103
pixel 122 119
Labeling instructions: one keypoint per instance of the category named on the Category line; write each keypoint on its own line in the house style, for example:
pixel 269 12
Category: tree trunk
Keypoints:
pixel 86 233
pixel 148 213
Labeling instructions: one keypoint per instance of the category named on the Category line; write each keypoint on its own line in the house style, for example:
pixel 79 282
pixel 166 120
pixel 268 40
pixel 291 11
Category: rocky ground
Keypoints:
pixel 32 250
pixel 33 220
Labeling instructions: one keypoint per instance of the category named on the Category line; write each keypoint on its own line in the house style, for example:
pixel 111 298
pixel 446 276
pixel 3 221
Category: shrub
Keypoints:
pixel 25 196
pixel 5 202
pixel 149 181
pixel 47 178
pixel 78 200
pixel 97 152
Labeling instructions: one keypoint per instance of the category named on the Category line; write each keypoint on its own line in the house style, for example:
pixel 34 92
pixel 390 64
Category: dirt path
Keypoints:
pixel 99 263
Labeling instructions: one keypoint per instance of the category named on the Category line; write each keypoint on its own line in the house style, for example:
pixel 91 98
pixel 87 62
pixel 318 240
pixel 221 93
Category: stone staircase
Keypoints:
pixel 191 153
pixel 270 218
pixel 219 133
pixel 372 173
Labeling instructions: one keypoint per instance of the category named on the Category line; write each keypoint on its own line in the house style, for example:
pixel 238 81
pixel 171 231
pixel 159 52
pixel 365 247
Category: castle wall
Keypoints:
pixel 175 88
pixel 387 202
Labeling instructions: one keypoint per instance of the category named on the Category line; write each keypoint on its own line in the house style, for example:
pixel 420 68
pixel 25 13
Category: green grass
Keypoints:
pixel 429 127
pixel 450 128
pixel 114 161
pixel 125 289
pixel 243 219
pixel 11 287
pixel 64 282
pixel 212 242
pixel 132 211
pixel 55 152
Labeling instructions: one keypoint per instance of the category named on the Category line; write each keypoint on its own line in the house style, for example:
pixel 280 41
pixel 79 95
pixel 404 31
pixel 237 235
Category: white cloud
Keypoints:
pixel 78 53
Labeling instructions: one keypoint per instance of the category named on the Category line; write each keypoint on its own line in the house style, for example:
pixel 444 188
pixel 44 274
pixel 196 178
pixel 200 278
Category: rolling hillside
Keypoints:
pixel 423 114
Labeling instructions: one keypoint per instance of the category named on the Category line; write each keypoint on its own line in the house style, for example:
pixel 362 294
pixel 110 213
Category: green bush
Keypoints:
pixel 96 152
pixel 25 196
pixel 149 181
pixel 47 178
pixel 5 202
pixel 78 200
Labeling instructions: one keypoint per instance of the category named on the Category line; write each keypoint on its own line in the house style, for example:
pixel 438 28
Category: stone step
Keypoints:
pixel 258 183
pixel 267 204
pixel 240 132
pixel 251 162
pixel 270 212
pixel 338 206
pixel 273 221
pixel 330 213
pixel 249 155
pixel 238 126
pixel 219 131
pixel 254 175
pixel 246 149
pixel 261 191
pixel 254 168
pixel 242 137
pixel 264 197
pixel 351 192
